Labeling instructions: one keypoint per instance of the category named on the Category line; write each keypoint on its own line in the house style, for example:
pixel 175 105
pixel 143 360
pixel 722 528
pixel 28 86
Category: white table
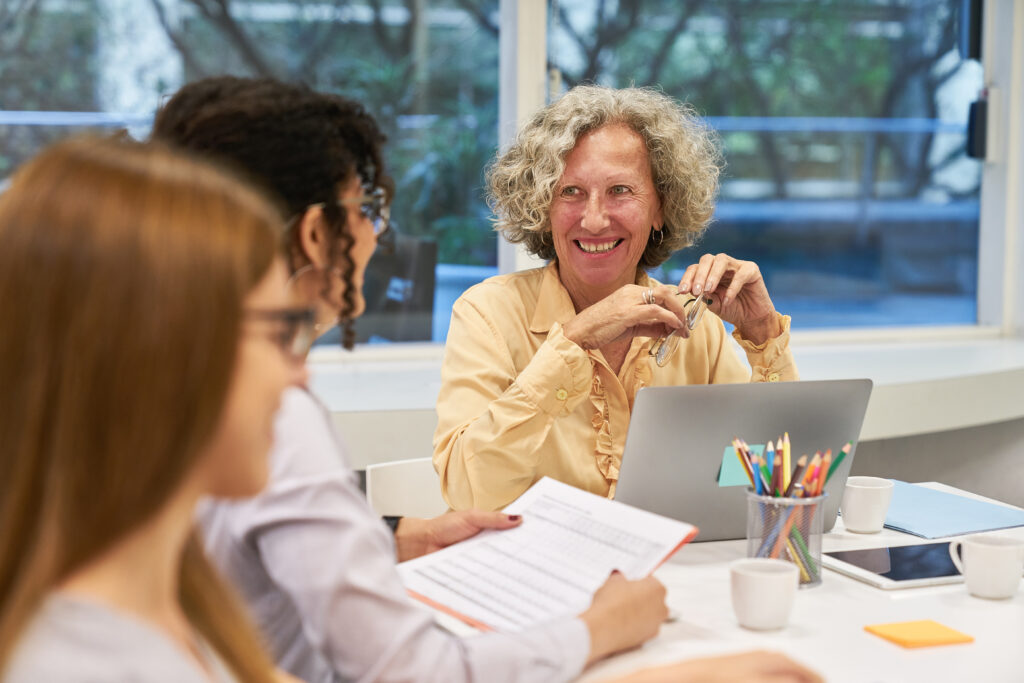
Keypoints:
pixel 826 629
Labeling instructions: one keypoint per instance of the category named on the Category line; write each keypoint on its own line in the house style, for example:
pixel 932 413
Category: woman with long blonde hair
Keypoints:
pixel 146 342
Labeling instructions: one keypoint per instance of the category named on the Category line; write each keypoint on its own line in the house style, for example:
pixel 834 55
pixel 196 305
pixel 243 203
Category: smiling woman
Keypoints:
pixel 541 367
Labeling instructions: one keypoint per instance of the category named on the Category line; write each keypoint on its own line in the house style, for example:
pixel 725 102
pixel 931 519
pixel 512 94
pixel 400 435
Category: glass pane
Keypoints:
pixel 843 127
pixel 427 70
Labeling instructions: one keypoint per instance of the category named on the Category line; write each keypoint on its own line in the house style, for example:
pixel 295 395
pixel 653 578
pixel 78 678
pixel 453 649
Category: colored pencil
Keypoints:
pixel 784 534
pixel 743 461
pixel 825 462
pixel 786 464
pixel 766 474
pixel 812 468
pixel 801 465
pixel 777 476
pixel 839 458
pixel 798 561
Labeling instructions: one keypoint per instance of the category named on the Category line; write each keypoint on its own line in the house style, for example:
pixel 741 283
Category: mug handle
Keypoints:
pixel 955 546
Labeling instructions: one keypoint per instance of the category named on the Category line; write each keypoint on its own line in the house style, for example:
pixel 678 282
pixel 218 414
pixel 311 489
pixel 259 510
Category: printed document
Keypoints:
pixel 548 567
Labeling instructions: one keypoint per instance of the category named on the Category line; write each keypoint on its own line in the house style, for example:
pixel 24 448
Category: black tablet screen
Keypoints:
pixel 901 563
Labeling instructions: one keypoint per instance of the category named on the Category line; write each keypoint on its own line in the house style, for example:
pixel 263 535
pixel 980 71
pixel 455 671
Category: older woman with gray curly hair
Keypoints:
pixel 542 366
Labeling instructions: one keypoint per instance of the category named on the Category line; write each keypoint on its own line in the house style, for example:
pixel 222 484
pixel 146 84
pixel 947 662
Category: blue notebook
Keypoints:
pixel 929 513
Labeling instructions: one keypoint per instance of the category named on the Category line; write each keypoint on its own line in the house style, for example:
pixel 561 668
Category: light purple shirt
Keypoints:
pixel 317 569
pixel 72 639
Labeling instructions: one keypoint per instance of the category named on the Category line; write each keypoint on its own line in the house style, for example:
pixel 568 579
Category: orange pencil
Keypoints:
pixel 825 462
pixel 781 540
pixel 812 471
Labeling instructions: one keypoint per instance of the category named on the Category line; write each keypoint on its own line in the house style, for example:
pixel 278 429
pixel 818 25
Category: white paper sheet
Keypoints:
pixel 550 566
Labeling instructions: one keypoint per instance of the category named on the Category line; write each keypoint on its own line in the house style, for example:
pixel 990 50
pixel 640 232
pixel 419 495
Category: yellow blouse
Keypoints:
pixel 519 401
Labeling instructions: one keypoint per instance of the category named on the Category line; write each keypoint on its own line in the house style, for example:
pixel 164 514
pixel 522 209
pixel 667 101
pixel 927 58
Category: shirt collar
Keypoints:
pixel 553 302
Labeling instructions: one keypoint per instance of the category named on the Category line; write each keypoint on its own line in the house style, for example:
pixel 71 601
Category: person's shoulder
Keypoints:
pixel 95 644
pixel 305 439
pixel 301 416
pixel 507 290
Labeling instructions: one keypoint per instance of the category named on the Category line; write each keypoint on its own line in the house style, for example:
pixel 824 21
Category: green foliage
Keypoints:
pixel 762 58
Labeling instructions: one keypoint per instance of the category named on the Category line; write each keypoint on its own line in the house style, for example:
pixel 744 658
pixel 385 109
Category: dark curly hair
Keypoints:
pixel 298 145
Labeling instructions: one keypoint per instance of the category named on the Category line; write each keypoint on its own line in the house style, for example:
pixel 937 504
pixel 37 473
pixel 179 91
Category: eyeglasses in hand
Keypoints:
pixel 664 347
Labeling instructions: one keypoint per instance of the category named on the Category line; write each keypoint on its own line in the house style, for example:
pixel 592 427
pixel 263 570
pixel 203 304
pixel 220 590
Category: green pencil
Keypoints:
pixel 839 459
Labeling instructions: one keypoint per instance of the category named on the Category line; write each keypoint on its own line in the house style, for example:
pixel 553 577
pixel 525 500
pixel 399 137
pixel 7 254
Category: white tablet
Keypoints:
pixel 905 566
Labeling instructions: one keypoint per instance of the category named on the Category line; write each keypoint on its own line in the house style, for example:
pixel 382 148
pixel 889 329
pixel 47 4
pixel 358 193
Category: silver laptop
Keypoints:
pixel 678 436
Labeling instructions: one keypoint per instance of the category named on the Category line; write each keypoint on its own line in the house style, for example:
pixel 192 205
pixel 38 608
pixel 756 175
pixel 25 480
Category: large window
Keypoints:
pixel 842 123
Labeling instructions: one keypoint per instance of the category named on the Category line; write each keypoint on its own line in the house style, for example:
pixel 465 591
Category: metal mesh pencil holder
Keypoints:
pixel 788 529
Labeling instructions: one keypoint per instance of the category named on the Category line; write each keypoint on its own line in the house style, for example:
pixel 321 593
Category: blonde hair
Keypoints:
pixel 123 268
pixel 683 152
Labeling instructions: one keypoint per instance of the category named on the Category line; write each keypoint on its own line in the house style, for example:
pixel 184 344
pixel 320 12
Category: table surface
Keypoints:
pixel 826 628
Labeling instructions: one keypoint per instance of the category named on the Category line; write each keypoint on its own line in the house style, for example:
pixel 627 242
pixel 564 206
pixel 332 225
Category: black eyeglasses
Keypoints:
pixel 295 328
pixel 374 206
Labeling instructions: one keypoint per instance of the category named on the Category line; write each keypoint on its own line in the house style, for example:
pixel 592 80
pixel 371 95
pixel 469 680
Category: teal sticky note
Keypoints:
pixel 731 472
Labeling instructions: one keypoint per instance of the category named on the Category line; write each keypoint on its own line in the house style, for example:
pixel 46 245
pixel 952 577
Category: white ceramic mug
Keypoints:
pixel 865 503
pixel 763 590
pixel 991 565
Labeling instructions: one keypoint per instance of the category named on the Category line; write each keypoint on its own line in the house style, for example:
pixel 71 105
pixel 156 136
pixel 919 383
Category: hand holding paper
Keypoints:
pixel 551 565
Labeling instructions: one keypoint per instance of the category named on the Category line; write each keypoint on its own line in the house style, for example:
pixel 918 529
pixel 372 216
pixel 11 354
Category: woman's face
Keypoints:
pixel 321 283
pixel 603 210
pixel 364 241
pixel 236 458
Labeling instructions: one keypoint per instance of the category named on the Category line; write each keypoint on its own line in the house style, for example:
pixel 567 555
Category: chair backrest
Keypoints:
pixel 407 488
pixel 399 290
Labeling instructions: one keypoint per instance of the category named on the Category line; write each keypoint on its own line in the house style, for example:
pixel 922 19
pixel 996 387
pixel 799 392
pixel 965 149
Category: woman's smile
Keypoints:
pixel 597 247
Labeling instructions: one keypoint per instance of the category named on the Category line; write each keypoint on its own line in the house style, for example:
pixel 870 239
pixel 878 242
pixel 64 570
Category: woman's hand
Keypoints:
pixel 738 293
pixel 747 667
pixel 417 537
pixel 624 614
pixel 627 311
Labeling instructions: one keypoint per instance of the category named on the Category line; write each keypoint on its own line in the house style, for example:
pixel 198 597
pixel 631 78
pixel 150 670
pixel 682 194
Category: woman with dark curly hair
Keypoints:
pixel 541 366
pixel 316 154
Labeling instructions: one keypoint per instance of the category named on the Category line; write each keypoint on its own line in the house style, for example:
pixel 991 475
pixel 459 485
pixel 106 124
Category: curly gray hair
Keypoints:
pixel 683 151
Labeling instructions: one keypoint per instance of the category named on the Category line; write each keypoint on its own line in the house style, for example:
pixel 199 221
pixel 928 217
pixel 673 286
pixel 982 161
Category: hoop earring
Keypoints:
pixel 661 236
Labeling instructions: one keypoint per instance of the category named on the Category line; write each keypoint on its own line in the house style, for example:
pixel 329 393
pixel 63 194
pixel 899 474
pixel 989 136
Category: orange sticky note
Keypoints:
pixel 924 633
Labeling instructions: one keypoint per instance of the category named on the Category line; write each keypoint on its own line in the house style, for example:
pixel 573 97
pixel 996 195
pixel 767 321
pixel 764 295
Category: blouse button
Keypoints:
pixel 562 394
pixel 773 377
